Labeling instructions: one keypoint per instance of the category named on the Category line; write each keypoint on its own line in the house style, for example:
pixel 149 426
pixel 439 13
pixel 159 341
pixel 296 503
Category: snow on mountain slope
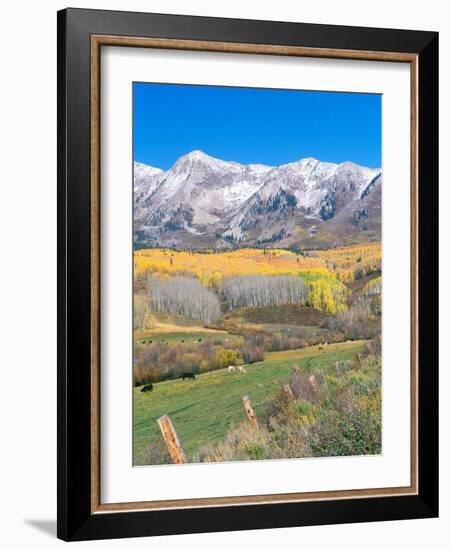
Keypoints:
pixel 201 189
pixel 223 200
pixel 146 178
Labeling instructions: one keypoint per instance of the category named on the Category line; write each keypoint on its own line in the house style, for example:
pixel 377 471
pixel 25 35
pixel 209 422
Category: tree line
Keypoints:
pixel 263 290
pixel 187 296
pixel 183 296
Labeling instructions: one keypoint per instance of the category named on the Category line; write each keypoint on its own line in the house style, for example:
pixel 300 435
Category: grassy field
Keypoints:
pixel 204 409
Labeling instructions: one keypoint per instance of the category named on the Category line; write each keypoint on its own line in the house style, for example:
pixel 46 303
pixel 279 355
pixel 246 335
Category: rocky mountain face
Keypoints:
pixel 206 202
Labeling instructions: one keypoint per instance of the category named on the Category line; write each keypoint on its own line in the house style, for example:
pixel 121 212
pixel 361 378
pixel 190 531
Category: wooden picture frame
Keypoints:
pixel 81 35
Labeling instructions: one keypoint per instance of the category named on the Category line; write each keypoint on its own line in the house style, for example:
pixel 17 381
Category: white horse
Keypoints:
pixel 231 368
pixel 241 370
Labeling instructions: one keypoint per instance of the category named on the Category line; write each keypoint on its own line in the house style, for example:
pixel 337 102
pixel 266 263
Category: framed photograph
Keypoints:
pixel 247 263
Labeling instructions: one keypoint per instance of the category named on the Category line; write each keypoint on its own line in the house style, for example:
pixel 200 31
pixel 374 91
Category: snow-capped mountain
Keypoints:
pixel 204 201
pixel 145 180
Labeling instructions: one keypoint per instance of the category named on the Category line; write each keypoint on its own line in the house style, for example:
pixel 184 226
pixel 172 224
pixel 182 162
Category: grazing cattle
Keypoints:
pixel 320 347
pixel 241 370
pixel 188 375
pixel 231 368
pixel 147 388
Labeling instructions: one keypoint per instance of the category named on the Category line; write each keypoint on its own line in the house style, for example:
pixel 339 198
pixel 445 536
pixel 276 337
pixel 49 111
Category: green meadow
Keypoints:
pixel 204 409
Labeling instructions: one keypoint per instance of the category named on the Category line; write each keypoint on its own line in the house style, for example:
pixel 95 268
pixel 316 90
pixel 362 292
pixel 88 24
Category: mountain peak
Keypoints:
pixel 196 154
pixel 304 165
pixel 196 157
pixel 308 160
pixel 348 164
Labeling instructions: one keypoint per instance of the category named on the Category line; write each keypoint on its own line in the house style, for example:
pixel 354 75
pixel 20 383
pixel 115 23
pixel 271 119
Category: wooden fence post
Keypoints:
pixel 369 347
pixel 314 382
pixel 170 437
pixel 287 391
pixel 250 412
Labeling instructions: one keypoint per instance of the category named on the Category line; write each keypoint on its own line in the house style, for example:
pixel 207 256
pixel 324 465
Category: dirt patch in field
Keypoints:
pixel 291 314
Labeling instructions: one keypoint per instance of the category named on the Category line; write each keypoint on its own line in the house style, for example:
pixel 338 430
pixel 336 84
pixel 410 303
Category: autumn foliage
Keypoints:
pixel 215 270
pixel 211 267
pixel 351 262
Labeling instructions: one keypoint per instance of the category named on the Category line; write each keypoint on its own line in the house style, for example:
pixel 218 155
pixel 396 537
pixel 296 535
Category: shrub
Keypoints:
pixel 252 354
pixel 155 453
pixel 360 320
pixel 342 418
pixel 242 442
pixel 302 388
pixel 358 312
pixel 141 377
pixel 349 420
pixel 227 357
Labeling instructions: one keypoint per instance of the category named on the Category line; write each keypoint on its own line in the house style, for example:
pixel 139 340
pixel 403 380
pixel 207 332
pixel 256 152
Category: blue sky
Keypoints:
pixel 251 125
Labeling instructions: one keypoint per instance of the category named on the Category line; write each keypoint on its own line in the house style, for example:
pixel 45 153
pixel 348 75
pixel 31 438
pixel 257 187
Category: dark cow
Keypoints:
pixel 146 388
pixel 188 375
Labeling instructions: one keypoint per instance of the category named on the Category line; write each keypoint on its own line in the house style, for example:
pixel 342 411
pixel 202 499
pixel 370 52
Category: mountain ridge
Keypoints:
pixel 202 201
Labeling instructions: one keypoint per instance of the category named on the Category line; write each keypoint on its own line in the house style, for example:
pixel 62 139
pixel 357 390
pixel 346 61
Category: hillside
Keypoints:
pixel 204 409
